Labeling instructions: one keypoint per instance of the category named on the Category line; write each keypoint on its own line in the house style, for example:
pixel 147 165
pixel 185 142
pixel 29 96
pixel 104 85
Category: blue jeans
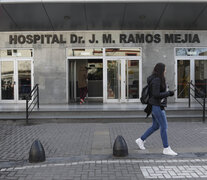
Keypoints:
pixel 159 120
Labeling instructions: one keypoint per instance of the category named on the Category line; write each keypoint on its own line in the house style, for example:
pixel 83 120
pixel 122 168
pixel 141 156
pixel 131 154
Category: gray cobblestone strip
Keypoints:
pixel 109 162
pixel 110 169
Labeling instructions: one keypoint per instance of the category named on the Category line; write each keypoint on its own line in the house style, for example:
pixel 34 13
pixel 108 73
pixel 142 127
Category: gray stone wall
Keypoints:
pixel 50 74
pixel 50 59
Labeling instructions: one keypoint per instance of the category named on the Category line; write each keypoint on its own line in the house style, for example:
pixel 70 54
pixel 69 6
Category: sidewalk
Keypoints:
pixel 84 151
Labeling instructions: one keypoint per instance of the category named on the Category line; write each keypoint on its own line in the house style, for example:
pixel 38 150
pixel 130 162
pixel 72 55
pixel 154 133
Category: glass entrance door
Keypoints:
pixel 200 67
pixel 183 77
pixel 122 80
pixel 191 65
pixel 132 80
pixel 94 79
pixel 72 81
pixel 114 79
pixel 16 81
pixel 7 80
pixel 24 80
pixel 194 70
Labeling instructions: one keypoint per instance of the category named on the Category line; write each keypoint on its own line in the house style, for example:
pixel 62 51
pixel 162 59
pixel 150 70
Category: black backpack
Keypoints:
pixel 145 95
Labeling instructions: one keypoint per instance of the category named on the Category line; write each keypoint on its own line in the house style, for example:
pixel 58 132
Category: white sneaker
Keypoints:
pixel 140 143
pixel 169 151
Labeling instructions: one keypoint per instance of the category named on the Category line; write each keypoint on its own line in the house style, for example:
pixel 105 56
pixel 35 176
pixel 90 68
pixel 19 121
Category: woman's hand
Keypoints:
pixel 171 93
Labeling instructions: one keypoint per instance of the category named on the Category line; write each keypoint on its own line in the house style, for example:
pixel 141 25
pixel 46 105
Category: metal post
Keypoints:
pixel 38 102
pixel 27 115
pixel 189 103
pixel 204 109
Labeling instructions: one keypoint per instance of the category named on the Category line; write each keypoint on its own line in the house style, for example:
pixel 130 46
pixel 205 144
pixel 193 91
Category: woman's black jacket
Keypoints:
pixel 158 95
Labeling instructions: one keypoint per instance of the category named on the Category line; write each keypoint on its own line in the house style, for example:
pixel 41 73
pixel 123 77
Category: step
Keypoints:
pixel 108 119
pixel 99 115
pixel 99 112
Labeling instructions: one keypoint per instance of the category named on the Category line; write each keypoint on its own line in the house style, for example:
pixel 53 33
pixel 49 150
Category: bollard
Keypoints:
pixel 120 147
pixel 37 152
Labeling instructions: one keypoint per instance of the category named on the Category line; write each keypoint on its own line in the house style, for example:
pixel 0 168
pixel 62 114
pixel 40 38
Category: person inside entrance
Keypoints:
pixel 82 83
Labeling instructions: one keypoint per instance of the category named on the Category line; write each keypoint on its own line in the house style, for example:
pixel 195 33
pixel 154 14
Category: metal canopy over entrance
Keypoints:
pixel 50 15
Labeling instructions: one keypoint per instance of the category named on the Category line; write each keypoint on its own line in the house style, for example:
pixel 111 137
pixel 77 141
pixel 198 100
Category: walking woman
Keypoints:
pixel 157 103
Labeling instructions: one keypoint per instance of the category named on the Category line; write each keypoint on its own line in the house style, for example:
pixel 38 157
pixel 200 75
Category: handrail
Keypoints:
pixel 199 94
pixel 33 96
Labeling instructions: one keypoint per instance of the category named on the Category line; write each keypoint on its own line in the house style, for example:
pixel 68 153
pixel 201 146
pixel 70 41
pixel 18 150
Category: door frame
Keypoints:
pixel 105 83
pixel 68 70
pixel 104 57
pixel 15 61
pixel 123 60
pixel 192 73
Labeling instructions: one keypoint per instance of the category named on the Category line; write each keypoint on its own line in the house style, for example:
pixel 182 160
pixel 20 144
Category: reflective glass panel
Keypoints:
pixel 132 79
pixel 123 52
pixel 72 81
pixel 85 52
pixel 183 74
pixel 200 77
pixel 95 78
pixel 114 79
pixel 24 78
pixel 191 51
pixel 7 80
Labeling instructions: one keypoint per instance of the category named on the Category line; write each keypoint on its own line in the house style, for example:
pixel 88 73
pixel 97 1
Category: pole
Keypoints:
pixel 204 109
pixel 27 111
pixel 38 102
pixel 189 103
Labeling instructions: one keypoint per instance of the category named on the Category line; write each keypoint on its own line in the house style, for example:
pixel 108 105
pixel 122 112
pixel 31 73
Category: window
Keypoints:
pixel 191 51
pixel 123 52
pixel 16 53
pixel 85 52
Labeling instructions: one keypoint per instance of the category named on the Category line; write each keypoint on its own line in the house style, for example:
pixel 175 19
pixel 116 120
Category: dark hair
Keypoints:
pixel 158 71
